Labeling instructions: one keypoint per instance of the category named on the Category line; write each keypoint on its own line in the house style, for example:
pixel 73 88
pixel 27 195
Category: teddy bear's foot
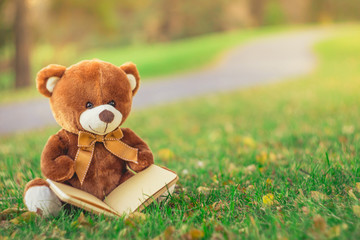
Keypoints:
pixel 40 198
pixel 165 195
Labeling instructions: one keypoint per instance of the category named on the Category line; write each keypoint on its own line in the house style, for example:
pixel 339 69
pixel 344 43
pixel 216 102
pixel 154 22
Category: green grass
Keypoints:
pixel 154 60
pixel 296 140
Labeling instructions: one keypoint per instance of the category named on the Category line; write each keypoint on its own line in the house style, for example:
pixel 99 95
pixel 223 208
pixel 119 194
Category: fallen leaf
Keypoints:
pixel 358 186
pixel 269 182
pixel 19 178
pixel 217 206
pixel 204 190
pixel 249 142
pixel 342 139
pixel 356 210
pixel 319 223
pixel 82 221
pixel 228 127
pixel 26 217
pixel 217 236
pixel 232 169
pixel 250 169
pixel 167 234
pixel 272 157
pixel 219 228
pixel 8 213
pixel 13 234
pixel 352 195
pixel 334 231
pixel 318 196
pixel 268 199
pixel 56 233
pixel 305 210
pixel 262 158
pixel 252 220
pixel 301 193
pixel 344 226
pixel 229 182
pixel 250 187
pixel 169 231
pixel 195 234
pixel 135 219
pixel 166 154
pixel 214 178
pixel 348 129
pixel 123 233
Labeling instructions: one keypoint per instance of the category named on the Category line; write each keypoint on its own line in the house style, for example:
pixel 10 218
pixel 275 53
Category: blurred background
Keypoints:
pixel 34 33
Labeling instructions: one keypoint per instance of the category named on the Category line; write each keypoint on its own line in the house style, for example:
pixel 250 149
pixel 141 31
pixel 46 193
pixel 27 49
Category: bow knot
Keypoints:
pixel 99 138
pixel 111 141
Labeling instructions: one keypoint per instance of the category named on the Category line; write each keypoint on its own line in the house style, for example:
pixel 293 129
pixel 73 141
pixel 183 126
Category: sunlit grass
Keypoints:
pixel 283 160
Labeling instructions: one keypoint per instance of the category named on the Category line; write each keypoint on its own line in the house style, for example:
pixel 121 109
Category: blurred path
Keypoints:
pixel 260 61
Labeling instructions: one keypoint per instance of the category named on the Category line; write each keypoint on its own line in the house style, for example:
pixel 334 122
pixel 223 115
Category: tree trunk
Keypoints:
pixel 22 45
pixel 257 8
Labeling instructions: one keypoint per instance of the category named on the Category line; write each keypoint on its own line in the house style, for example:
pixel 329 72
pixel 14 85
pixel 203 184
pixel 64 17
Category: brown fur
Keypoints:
pixel 97 82
pixel 36 182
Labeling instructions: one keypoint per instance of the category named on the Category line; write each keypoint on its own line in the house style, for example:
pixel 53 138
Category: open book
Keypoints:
pixel 132 195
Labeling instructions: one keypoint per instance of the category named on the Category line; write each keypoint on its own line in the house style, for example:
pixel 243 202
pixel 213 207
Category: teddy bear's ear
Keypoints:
pixel 132 75
pixel 48 77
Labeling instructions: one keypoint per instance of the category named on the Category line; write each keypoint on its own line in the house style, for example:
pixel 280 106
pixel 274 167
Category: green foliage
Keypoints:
pixel 272 162
pixel 274 13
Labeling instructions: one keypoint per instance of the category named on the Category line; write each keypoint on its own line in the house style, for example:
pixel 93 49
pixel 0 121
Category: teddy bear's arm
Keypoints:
pixel 145 156
pixel 55 164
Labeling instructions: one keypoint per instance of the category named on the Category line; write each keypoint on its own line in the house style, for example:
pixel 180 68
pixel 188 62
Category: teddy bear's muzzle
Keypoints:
pixel 101 119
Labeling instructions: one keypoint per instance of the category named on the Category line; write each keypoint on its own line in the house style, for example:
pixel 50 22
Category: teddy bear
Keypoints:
pixel 90 100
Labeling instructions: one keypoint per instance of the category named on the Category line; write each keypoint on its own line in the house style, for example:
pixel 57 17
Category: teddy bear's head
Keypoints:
pixel 94 96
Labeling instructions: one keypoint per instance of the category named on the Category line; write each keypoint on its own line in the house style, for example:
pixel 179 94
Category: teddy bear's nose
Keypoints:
pixel 106 116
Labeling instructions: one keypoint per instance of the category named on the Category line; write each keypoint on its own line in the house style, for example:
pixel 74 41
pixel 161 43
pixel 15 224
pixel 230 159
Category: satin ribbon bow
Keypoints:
pixel 111 141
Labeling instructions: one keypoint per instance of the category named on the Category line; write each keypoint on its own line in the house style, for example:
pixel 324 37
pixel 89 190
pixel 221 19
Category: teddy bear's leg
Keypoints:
pixel 38 197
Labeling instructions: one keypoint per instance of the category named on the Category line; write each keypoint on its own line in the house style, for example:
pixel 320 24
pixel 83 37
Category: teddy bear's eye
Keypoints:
pixel 112 103
pixel 89 105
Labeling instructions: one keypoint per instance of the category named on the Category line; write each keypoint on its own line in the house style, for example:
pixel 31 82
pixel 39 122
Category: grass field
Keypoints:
pixel 154 60
pixel 274 162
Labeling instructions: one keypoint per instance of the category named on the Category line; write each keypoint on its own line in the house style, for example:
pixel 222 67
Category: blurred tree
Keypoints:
pixel 257 8
pixel 6 35
pixel 321 10
pixel 22 45
pixel 296 11
pixel 172 23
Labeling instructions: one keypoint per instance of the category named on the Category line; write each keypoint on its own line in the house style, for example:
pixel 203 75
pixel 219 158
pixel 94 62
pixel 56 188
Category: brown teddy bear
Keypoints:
pixel 89 100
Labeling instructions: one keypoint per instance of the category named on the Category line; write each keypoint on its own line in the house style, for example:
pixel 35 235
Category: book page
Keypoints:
pixel 80 198
pixel 137 190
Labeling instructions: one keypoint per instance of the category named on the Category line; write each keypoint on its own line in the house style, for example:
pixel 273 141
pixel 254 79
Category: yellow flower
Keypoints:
pixel 268 199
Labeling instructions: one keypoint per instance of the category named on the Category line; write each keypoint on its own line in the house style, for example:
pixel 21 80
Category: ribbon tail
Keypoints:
pixel 122 150
pixel 82 162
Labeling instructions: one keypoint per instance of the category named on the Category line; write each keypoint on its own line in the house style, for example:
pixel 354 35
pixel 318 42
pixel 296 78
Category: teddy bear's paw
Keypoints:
pixel 165 195
pixel 42 200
